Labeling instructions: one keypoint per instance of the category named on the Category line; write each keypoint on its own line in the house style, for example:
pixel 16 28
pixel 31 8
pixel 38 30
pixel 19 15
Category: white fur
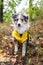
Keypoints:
pixel 24 49
pixel 22 29
pixel 16 48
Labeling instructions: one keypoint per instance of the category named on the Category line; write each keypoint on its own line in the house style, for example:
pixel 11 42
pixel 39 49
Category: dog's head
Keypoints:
pixel 20 22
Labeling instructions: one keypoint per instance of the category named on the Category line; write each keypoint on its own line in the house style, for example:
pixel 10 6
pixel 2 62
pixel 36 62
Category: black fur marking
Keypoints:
pixel 14 15
pixel 25 17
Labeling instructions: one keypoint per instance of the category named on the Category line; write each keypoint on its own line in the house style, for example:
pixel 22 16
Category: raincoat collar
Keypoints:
pixel 19 38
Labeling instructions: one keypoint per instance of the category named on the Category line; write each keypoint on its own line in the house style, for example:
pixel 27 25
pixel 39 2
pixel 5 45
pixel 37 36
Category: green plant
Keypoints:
pixel 7 14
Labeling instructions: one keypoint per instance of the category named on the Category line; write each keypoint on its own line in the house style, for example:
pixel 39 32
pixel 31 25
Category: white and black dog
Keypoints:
pixel 21 25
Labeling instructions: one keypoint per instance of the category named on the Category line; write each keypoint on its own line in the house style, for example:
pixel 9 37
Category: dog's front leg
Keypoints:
pixel 24 49
pixel 16 48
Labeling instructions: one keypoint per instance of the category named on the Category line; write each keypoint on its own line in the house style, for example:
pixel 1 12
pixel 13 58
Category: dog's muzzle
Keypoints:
pixel 19 25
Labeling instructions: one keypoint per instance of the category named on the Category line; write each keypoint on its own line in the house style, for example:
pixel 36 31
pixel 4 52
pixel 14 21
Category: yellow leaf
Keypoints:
pixel 1 50
pixel 10 45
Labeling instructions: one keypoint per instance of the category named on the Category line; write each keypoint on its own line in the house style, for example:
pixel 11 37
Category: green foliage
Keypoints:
pixel 1 2
pixel 7 14
pixel 41 9
pixel 30 8
pixel 33 10
pixel 11 4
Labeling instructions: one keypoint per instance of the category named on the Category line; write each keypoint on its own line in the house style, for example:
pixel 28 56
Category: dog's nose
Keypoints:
pixel 19 25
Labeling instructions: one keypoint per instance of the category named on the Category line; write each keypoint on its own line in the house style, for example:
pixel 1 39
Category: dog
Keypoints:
pixel 21 26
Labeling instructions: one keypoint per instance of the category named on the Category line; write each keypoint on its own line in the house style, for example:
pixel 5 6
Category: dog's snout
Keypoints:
pixel 19 25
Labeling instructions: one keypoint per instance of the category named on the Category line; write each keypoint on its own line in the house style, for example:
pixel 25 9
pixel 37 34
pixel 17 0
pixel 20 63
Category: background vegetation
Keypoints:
pixel 34 10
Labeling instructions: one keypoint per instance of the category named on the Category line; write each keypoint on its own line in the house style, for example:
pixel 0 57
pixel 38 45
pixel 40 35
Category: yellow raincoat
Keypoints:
pixel 19 38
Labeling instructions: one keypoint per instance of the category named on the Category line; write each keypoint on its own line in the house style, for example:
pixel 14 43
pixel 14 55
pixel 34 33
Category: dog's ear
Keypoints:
pixel 14 15
pixel 25 17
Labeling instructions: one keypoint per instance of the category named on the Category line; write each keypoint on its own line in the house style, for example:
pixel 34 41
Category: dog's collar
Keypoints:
pixel 19 38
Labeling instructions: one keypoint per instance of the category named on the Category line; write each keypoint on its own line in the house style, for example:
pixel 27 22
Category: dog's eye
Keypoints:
pixel 22 19
pixel 15 19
